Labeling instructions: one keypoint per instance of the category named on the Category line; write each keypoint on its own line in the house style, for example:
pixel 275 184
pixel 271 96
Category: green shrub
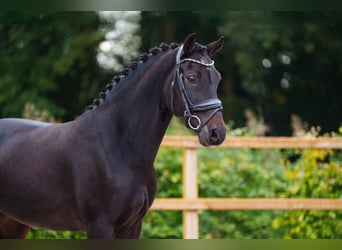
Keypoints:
pixel 37 233
pixel 239 173
pixel 315 175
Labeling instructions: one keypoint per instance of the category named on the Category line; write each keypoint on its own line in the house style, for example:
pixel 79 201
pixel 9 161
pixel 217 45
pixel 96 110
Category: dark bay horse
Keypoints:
pixel 96 173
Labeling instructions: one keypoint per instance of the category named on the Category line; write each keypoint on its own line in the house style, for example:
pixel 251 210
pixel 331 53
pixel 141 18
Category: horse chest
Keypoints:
pixel 122 193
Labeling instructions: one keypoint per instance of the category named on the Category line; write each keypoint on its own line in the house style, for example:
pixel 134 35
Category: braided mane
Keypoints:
pixel 163 47
pixel 130 68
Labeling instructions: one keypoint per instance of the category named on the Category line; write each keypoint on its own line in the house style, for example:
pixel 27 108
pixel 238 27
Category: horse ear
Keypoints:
pixel 189 43
pixel 213 47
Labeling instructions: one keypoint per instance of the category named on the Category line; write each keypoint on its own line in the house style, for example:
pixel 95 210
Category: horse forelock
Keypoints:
pixel 200 50
pixel 133 66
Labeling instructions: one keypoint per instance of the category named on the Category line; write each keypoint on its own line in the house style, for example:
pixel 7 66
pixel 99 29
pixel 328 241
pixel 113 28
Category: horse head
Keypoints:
pixel 193 90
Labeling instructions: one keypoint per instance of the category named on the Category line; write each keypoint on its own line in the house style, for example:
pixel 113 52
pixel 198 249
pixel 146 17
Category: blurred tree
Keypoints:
pixel 122 40
pixel 175 26
pixel 49 60
pixel 289 63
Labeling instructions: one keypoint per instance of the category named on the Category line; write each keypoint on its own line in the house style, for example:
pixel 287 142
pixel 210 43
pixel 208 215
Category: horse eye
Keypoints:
pixel 191 78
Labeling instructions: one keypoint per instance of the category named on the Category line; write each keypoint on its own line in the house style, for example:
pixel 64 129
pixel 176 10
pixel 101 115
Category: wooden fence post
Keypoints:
pixel 190 191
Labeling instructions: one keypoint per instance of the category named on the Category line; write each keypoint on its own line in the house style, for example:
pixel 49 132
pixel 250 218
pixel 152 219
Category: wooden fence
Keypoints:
pixel 190 204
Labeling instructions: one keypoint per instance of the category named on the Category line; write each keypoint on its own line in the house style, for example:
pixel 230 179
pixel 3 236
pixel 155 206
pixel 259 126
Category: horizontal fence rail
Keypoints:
pixel 247 204
pixel 190 204
pixel 258 142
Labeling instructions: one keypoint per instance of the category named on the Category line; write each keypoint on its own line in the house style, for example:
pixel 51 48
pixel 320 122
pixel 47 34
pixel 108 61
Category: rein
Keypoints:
pixel 192 120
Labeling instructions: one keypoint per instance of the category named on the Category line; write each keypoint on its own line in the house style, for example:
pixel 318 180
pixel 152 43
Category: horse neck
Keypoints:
pixel 133 118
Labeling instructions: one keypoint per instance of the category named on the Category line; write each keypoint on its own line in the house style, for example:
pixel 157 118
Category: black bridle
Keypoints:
pixel 192 120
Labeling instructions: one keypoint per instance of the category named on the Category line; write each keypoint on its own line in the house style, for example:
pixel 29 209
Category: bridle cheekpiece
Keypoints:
pixel 192 120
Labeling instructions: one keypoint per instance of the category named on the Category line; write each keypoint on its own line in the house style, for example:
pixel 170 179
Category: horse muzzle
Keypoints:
pixel 214 132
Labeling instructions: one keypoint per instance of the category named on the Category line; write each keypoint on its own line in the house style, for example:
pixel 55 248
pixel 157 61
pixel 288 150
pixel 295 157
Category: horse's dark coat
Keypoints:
pixel 95 173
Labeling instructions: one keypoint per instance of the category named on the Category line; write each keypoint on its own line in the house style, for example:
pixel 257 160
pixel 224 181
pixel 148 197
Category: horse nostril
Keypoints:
pixel 213 134
pixel 214 137
pixel 217 136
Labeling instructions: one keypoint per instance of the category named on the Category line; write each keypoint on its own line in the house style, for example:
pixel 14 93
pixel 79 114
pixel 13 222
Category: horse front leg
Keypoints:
pixel 130 233
pixel 100 229
pixel 12 229
pixel 135 231
pixel 105 230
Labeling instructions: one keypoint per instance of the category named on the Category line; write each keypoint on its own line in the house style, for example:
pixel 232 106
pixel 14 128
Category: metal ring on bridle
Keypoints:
pixel 197 120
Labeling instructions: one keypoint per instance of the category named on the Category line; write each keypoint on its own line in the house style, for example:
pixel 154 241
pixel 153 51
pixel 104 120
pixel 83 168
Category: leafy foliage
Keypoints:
pixel 317 177
pixel 37 233
pixel 237 173
pixel 281 57
pixel 241 173
pixel 49 59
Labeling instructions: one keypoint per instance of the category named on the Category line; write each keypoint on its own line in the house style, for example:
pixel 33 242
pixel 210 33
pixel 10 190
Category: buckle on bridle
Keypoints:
pixel 197 120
